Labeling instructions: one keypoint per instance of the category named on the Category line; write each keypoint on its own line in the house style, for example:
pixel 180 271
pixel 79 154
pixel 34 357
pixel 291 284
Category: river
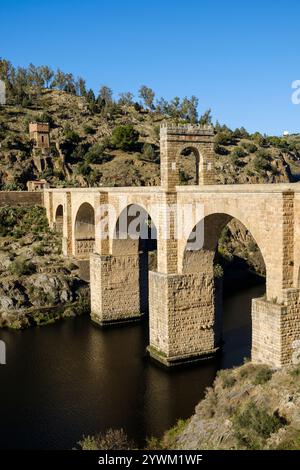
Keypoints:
pixel 72 378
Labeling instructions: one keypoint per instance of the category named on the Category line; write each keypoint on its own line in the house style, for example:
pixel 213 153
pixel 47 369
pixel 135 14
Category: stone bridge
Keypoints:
pixel 184 312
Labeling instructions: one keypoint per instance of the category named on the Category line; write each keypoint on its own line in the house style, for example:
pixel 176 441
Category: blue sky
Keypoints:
pixel 239 58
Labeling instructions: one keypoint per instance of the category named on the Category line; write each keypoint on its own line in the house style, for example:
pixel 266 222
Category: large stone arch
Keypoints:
pixel 216 214
pixel 123 274
pixel 202 242
pixel 198 261
pixel 84 231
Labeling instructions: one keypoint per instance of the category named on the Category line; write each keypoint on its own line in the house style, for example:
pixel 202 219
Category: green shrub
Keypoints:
pixel 224 138
pixel 72 136
pixel 39 250
pixel 124 137
pixel 22 267
pixel 17 221
pixel 89 130
pixel 110 440
pixel 295 372
pixel 249 146
pixel 252 425
pixel 239 152
pixel 83 169
pixel 261 161
pixel 149 152
pixel 263 376
pixel 227 378
pixel 95 154
pixel 220 150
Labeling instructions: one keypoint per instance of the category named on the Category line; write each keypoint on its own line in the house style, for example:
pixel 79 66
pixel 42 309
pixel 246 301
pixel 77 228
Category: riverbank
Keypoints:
pixel 251 407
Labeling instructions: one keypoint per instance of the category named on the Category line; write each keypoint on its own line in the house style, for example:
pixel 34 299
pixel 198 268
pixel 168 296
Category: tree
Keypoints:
pixel 224 138
pixel 147 95
pixel 188 109
pixel 80 85
pixel 174 108
pixel 124 137
pixel 69 84
pixel 126 99
pixel 148 152
pixel 206 118
pixel 59 80
pixel 91 96
pixel 105 95
pixel 162 106
pixel 47 74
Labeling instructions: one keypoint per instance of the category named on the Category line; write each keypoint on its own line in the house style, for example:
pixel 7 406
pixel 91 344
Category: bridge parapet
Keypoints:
pixel 192 129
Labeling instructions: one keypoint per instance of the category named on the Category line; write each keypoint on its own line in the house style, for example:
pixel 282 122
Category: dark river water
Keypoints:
pixel 72 378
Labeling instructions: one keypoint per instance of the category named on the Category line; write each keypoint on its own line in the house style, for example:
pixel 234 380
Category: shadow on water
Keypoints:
pixel 73 378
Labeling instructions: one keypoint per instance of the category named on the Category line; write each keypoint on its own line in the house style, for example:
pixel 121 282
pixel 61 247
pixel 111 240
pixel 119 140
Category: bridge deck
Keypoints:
pixel 216 188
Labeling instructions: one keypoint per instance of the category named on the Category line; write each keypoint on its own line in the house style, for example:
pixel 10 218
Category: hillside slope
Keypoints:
pixel 83 154
pixel 249 407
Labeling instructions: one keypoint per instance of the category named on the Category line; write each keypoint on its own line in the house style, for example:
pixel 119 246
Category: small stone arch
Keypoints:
pixel 84 231
pixel 188 162
pixel 59 219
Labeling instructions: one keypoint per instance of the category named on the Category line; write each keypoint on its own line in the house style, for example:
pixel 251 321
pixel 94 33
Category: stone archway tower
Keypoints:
pixel 173 140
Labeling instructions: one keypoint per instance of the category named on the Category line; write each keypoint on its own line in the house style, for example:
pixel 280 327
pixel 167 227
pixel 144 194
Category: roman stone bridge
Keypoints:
pixel 184 311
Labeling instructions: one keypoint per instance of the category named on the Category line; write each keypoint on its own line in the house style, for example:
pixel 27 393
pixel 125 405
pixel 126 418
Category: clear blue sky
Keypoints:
pixel 238 57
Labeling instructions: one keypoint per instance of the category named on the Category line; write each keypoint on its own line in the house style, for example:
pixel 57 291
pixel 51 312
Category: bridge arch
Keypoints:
pixel 84 231
pixel 211 225
pixel 200 258
pixel 59 219
pixel 134 231
pixel 134 252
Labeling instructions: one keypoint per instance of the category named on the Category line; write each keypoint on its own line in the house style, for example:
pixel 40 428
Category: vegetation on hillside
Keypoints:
pixel 37 286
pixel 98 140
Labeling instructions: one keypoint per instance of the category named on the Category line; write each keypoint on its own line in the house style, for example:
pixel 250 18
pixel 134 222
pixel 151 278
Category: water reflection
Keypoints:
pixel 72 378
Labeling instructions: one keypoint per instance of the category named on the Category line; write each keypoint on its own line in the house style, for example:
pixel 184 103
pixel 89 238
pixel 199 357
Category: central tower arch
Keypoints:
pixel 175 141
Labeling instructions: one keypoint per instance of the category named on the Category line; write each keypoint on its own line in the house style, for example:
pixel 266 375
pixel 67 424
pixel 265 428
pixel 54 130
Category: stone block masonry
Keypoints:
pixel 182 317
pixel 115 288
pixel 21 198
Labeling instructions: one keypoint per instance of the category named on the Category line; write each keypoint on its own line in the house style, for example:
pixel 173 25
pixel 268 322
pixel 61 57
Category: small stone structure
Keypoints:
pixel 37 185
pixel 39 134
pixel 183 308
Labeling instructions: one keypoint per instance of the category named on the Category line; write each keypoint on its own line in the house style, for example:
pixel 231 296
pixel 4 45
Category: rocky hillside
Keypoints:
pixel 37 284
pixel 249 407
pixel 87 150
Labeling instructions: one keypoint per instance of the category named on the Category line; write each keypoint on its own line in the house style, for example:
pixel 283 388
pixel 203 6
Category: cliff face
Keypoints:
pixel 249 407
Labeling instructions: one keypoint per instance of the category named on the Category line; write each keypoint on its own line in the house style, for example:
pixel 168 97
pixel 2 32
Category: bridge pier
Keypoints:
pixel 276 329
pixel 183 319
pixel 115 288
